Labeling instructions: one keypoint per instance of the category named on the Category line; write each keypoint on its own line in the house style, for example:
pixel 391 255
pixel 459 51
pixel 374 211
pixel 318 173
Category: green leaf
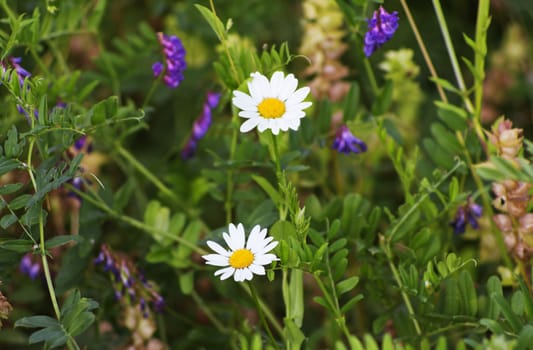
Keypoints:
pixel 384 99
pixel 347 285
pixel 60 240
pixel 37 322
pixel 186 281
pixel 525 338
pixel 47 334
pixel 510 316
pixel 6 165
pixel 10 188
pixel 351 303
pixel 17 245
pixel 7 220
pixel 20 201
pixel 494 326
pixel 351 102
pixel 454 117
pixel 518 303
pixel 268 188
pixel 468 293
pixel 213 21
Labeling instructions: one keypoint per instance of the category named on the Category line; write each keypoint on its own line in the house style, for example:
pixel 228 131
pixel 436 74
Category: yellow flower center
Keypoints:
pixel 271 108
pixel 241 258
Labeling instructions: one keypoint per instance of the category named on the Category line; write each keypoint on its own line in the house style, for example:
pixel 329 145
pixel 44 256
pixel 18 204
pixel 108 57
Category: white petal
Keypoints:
pixel 239 236
pixel 249 124
pixel 257 269
pixel 289 86
pixel 275 126
pixel 298 96
pixel 294 124
pixel 226 273
pixel 216 260
pixel 295 114
pixel 264 259
pixel 301 105
pixel 243 101
pixel 270 246
pixel 218 248
pixel 263 124
pixel 276 83
pixel 253 238
pixel 259 87
pixel 248 275
pixel 239 275
pixel 249 114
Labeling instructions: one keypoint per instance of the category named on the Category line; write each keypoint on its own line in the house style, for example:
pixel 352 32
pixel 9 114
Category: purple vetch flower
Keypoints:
pixel 129 282
pixel 30 266
pixel 381 28
pixel 466 214
pixel 175 63
pixel 346 142
pixel 14 62
pixel 201 125
pixel 159 302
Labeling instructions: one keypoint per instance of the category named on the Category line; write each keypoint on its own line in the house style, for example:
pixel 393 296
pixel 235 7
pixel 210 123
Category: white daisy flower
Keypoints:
pixel 242 261
pixel 274 104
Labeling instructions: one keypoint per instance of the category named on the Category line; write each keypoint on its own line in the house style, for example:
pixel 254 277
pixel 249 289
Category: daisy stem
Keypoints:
pixel 275 156
pixel 228 205
pixel 262 316
pixel 266 310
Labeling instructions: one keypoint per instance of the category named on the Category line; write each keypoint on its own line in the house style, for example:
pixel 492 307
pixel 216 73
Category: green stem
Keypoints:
pixel 479 59
pixel 266 310
pixel 225 45
pixel 371 76
pixel 451 54
pixel 422 47
pixel 262 316
pixel 155 83
pixel 46 268
pixel 201 304
pixel 152 178
pixel 115 83
pixel 228 205
pixel 405 297
pixel 100 204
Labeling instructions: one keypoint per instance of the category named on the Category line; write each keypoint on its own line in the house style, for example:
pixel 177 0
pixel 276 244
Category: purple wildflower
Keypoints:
pixel 159 302
pixel 175 62
pixel 30 267
pixel 346 142
pixel 381 28
pixel 201 125
pixel 14 62
pixel 466 214
pixel 129 282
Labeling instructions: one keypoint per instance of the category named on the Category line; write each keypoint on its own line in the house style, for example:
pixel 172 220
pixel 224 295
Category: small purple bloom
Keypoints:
pixel 213 99
pixel 346 142
pixel 175 63
pixel 466 214
pixel 157 69
pixel 29 267
pixel 381 28
pixel 159 303
pixel 201 125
